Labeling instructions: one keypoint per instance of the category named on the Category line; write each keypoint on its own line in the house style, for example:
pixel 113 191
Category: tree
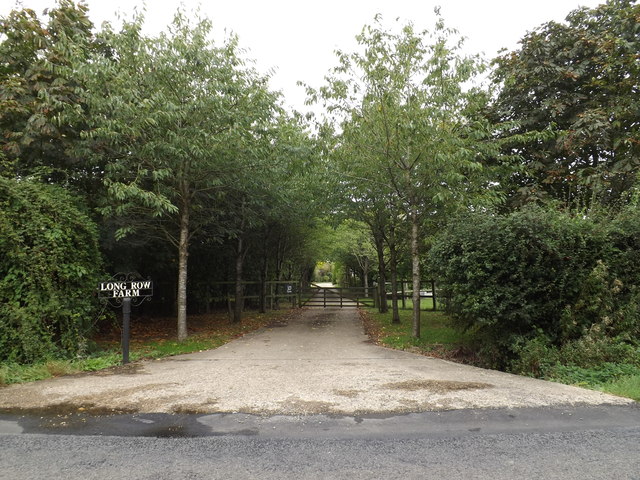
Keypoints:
pixel 352 247
pixel 410 126
pixel 35 89
pixel 176 117
pixel 581 77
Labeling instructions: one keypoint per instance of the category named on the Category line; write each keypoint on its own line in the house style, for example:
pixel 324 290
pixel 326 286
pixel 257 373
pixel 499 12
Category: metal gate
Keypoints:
pixel 336 297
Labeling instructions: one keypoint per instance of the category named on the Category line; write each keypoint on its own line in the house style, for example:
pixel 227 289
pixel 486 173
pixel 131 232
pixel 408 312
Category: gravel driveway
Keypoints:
pixel 317 362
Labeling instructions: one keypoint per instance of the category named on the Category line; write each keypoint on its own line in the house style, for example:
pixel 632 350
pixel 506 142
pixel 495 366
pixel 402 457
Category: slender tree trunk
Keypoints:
pixel 263 275
pixel 239 290
pixel 382 277
pixel 183 254
pixel 393 266
pixel 365 272
pixel 263 284
pixel 415 271
pixel 278 272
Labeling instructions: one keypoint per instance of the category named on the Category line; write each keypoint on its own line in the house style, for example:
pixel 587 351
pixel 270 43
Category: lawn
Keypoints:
pixel 437 337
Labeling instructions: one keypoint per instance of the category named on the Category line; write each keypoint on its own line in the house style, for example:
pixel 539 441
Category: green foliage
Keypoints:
pixel 625 386
pixel 623 257
pixel 579 77
pixel 600 375
pixel 596 348
pixel 49 266
pixel 35 90
pixel 99 361
pixel 508 278
pixel 411 135
pixel 534 356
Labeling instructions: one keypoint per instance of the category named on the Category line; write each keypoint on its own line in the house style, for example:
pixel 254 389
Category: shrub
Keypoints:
pixel 49 265
pixel 595 348
pixel 534 356
pixel 506 277
pixel 538 286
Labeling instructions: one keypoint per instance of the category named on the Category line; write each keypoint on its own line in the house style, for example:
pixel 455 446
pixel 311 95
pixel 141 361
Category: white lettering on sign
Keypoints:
pixel 142 288
pixel 114 286
pixel 126 293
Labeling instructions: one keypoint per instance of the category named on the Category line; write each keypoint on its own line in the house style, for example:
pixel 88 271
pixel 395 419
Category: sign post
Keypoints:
pixel 126 323
pixel 125 289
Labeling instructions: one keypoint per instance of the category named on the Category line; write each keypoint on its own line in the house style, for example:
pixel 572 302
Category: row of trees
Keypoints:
pixel 416 139
pixel 174 146
pixel 411 141
pixel 176 149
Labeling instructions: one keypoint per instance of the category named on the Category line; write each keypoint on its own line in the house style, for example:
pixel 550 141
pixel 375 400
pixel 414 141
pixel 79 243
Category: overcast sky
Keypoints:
pixel 296 38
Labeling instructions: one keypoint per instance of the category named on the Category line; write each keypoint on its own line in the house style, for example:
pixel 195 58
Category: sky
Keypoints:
pixel 295 40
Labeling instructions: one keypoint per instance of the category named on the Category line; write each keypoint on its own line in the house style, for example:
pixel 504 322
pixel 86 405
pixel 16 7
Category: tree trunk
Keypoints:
pixel 183 254
pixel 415 271
pixel 382 277
pixel 278 272
pixel 239 293
pixel 263 277
pixel 365 272
pixel 393 265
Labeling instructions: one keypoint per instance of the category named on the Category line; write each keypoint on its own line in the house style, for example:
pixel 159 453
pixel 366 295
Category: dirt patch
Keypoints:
pixel 436 386
pixel 194 409
pixel 322 320
pixel 277 324
pixel 347 393
pixel 306 407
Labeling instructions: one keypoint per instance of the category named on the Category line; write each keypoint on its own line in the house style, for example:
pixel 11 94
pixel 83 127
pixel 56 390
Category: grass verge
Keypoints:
pixel 437 337
pixel 150 339
pixel 619 379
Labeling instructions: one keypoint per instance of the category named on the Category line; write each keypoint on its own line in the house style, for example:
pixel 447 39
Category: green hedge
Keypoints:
pixel 511 278
pixel 49 266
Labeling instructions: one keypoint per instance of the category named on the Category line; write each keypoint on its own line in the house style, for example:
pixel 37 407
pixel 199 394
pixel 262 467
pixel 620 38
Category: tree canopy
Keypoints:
pixel 581 78
pixel 410 134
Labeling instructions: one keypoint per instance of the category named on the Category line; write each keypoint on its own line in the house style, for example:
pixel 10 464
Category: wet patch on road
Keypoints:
pixel 65 409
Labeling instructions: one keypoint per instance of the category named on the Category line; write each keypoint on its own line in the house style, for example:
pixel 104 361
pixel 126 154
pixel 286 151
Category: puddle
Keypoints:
pixel 172 431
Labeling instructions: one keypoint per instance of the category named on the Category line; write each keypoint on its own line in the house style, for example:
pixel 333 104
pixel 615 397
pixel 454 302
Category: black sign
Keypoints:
pixel 124 289
pixel 125 286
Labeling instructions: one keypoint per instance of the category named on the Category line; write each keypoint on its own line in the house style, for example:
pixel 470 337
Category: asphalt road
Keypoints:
pixel 582 443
